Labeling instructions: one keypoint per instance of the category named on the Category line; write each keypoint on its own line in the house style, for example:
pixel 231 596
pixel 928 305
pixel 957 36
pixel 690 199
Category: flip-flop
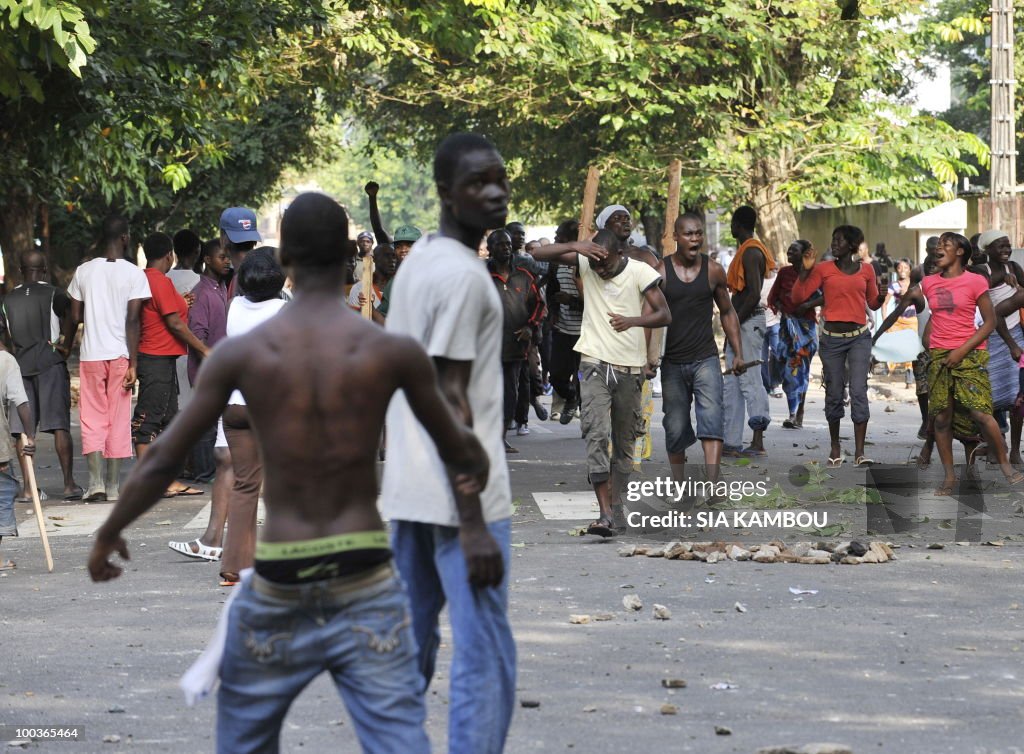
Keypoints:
pixel 835 463
pixel 7 565
pixel 863 462
pixel 1016 480
pixel 229 579
pixel 77 495
pixel 749 452
pixel 168 494
pixel 601 528
pixel 946 490
pixel 95 497
pixel 190 492
pixel 203 552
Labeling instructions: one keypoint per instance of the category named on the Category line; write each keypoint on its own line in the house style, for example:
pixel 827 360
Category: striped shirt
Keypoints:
pixel 569 318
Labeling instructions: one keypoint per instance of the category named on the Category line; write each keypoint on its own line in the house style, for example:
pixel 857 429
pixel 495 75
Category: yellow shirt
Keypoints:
pixel 623 295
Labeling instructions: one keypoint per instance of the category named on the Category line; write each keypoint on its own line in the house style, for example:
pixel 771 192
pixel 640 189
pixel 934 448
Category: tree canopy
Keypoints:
pixel 171 109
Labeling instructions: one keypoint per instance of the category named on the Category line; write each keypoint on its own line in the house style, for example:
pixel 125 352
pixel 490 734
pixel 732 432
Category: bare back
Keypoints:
pixel 317 384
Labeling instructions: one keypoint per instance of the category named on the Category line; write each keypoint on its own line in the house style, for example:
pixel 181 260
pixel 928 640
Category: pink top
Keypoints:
pixel 952 302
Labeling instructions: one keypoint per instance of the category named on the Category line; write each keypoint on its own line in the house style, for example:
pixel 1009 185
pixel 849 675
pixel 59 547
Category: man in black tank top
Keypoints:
pixel 690 370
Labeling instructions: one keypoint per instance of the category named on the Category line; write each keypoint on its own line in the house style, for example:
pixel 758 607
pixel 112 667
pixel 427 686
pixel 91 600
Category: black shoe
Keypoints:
pixel 567 417
pixel 542 413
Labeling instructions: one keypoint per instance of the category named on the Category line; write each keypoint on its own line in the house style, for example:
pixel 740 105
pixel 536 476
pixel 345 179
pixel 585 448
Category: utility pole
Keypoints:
pixel 1005 204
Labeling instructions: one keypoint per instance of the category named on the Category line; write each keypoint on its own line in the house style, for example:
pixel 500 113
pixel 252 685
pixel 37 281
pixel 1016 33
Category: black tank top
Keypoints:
pixel 690 337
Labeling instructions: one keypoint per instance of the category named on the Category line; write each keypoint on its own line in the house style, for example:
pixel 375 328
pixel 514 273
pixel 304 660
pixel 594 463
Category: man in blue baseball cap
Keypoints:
pixel 238 236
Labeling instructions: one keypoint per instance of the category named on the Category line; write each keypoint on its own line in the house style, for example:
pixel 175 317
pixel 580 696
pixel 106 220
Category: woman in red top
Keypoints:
pixel 850 289
pixel 958 373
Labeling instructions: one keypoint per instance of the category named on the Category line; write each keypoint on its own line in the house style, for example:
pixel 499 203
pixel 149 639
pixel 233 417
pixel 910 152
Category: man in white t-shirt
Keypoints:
pixel 444 298
pixel 613 363
pixel 107 294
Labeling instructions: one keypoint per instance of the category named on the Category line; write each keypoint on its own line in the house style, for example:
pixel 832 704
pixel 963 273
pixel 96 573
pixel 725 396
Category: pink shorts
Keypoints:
pixel 105 408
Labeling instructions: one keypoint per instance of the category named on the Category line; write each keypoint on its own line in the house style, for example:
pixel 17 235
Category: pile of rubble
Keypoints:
pixel 776 551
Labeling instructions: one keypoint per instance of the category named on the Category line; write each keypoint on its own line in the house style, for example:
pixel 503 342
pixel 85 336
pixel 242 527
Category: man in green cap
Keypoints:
pixel 405 237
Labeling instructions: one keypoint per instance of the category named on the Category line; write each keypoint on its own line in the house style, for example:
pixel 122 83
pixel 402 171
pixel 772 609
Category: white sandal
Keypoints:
pixel 203 553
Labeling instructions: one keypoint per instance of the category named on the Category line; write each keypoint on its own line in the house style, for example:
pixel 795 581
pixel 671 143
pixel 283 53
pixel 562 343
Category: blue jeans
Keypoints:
pixel 8 489
pixel 277 645
pixel 681 384
pixel 745 395
pixel 483 672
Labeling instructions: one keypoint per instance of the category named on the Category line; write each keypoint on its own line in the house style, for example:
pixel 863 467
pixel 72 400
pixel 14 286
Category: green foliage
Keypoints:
pixel 407 194
pixel 53 33
pixel 957 34
pixel 793 100
pixel 183 107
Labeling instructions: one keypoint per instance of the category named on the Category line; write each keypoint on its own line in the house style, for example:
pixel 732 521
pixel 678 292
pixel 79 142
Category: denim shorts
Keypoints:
pixel 681 385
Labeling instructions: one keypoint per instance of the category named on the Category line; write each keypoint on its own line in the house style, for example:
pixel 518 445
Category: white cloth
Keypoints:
pixel 201 678
pixel 770 317
pixel 353 296
pixel 444 298
pixel 990 236
pixel 607 212
pixel 245 315
pixel 624 295
pixel 184 280
pixel 12 395
pixel 105 287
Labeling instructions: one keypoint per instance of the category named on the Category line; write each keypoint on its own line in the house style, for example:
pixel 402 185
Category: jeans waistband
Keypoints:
pixel 852 334
pixel 616 367
pixel 339 586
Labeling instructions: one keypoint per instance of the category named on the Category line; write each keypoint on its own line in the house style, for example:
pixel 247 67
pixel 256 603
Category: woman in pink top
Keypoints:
pixel 958 381
pixel 850 289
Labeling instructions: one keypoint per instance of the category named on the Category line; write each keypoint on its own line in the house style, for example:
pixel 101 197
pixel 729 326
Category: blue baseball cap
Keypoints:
pixel 239 223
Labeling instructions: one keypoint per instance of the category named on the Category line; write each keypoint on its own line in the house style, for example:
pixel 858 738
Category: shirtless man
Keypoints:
pixel 324 595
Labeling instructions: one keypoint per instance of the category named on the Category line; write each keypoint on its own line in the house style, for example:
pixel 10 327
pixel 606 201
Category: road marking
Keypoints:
pixel 567 506
pixel 66 520
pixel 201 519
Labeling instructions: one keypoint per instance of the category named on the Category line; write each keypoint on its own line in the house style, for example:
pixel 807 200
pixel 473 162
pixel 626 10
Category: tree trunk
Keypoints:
pixel 776 219
pixel 17 232
pixel 652 227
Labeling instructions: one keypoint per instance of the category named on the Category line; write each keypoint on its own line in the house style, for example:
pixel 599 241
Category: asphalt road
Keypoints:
pixel 921 655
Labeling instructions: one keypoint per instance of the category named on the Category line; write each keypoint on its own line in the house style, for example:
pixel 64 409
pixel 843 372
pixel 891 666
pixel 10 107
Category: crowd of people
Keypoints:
pixel 242 354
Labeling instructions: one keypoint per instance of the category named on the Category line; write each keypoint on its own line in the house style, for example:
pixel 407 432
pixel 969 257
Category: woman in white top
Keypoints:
pixel 260 279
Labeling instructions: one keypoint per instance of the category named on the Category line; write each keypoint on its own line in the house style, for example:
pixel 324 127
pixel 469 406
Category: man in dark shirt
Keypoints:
pixel 690 372
pixel 36 316
pixel 522 309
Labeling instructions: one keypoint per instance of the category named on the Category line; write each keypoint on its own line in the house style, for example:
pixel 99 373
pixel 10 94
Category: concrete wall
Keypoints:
pixel 880 222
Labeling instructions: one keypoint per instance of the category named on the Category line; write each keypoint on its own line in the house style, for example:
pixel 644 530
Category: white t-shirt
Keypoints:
pixel 622 294
pixel 105 287
pixel 444 297
pixel 245 315
pixel 12 395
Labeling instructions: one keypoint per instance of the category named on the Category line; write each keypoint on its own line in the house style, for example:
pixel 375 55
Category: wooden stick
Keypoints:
pixel 589 203
pixel 675 176
pixel 367 281
pixel 30 482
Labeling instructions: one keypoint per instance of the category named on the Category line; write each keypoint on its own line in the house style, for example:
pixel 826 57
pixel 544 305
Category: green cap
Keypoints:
pixel 407 233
